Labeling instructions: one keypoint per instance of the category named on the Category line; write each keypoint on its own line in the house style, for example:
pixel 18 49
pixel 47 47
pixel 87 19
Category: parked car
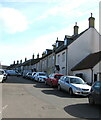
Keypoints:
pixel 33 75
pixel 28 75
pixel 1 76
pixel 94 96
pixel 52 80
pixel 24 74
pixel 4 74
pixel 18 73
pixel 40 76
pixel 11 72
pixel 74 85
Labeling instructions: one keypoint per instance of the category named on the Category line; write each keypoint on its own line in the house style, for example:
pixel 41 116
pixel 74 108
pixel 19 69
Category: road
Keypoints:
pixel 22 98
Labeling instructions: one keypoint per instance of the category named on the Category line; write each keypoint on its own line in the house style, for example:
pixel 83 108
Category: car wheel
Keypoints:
pixel 59 87
pixel 91 100
pixel 45 82
pixel 70 91
pixel 51 85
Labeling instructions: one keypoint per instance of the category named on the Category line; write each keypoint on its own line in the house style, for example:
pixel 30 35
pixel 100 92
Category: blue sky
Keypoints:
pixel 31 26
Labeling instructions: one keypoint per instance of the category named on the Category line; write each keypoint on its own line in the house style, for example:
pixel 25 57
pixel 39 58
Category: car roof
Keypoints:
pixel 2 70
pixel 72 76
pixel 57 74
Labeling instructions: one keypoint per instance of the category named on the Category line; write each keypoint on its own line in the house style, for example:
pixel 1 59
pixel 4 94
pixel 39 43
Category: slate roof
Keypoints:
pixel 12 66
pixel 49 52
pixel 70 40
pixel 89 62
pixel 30 62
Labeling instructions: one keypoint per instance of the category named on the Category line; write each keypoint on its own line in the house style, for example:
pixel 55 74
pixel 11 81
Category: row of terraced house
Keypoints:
pixel 79 54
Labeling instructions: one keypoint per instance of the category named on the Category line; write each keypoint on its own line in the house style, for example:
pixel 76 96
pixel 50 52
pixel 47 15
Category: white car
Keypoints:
pixel 3 73
pixel 74 85
pixel 40 76
pixel 33 75
pixel 1 77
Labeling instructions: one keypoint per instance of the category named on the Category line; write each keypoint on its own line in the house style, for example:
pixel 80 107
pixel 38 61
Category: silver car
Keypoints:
pixel 74 85
pixel 40 76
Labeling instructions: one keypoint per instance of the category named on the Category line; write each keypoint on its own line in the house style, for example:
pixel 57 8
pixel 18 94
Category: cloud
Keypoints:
pixel 68 9
pixel 12 20
pixel 49 1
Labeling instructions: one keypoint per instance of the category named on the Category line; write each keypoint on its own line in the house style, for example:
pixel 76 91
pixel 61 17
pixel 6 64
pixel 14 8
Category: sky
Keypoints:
pixel 30 27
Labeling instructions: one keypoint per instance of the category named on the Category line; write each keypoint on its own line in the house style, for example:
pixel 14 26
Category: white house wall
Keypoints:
pixel 61 63
pixel 87 74
pixel 86 44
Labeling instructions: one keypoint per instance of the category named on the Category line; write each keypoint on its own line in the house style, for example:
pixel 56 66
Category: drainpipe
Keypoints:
pixel 92 76
pixel 66 59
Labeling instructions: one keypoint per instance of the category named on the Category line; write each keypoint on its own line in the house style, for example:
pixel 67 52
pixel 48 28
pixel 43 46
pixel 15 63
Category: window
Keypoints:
pixel 63 57
pixel 58 76
pixel 58 59
pixel 67 79
pixel 57 44
pixel 65 41
pixel 95 77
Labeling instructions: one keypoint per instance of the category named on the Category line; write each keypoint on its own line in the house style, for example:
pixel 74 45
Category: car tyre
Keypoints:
pixel 59 87
pixel 45 82
pixel 51 85
pixel 70 91
pixel 91 100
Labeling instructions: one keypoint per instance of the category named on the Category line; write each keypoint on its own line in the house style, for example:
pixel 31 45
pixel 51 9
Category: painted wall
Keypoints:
pixel 86 44
pixel 61 61
pixel 87 74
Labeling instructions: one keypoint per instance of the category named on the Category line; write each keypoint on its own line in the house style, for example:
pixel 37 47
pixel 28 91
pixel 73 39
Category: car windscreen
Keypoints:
pixel 1 72
pixel 76 81
pixel 58 76
pixel 42 74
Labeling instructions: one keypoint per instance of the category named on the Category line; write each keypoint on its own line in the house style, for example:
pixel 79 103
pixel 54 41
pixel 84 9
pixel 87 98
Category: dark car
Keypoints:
pixel 52 80
pixel 94 96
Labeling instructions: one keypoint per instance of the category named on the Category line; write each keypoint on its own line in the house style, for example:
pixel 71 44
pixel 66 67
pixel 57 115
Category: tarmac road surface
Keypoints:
pixel 23 98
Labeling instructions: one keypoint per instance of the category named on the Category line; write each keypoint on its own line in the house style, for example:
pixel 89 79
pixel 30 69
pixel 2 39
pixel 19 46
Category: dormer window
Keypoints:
pixel 65 41
pixel 46 52
pixel 57 44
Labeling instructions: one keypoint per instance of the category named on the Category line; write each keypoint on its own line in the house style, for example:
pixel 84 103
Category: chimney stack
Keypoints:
pixel 14 63
pixel 20 61
pixel 25 59
pixel 76 29
pixel 37 55
pixel 17 61
pixel 33 56
pixel 91 21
